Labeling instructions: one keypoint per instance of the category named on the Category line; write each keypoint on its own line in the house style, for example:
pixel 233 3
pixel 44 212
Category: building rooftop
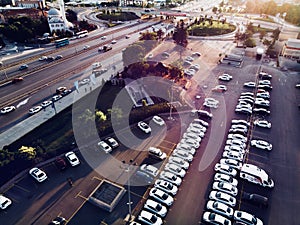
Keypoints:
pixel 293 43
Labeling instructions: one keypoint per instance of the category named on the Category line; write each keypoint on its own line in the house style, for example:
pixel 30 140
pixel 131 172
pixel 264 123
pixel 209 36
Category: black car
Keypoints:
pixel 255 199
pixel 60 163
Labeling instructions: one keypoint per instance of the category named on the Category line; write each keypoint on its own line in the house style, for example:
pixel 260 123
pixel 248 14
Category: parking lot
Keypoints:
pixel 56 197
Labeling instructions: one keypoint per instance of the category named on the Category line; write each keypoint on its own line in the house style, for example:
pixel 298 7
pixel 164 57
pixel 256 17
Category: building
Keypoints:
pixel 11 12
pixel 56 21
pixel 29 3
pixel 291 49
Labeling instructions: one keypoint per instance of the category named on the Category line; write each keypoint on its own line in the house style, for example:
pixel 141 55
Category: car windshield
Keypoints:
pixel 158 207
pixel 153 219
pixel 212 216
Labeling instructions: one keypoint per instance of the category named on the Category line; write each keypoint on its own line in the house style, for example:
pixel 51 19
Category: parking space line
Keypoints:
pixel 78 194
pixel 14 200
pixel 23 189
pixel 9 187
pixel 83 197
pixel 97 178
pixel 74 213
pixel 137 195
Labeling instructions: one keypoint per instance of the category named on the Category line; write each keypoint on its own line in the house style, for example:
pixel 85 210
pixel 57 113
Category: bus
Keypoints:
pixel 256 175
pixel 82 34
pixel 235 58
pixel 61 42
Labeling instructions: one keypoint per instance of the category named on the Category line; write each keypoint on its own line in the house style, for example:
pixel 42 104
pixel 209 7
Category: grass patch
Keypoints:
pixel 207 29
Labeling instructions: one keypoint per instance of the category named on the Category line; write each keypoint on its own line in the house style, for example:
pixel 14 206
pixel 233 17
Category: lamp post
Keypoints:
pixel 127 170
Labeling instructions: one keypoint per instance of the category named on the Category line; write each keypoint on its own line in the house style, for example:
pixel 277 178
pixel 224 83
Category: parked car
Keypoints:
pixel 222 197
pixel 46 103
pixel 177 170
pixel 214 218
pixel 38 174
pixel 225 169
pixel 60 163
pixel 58 57
pixel 55 98
pixel 72 158
pixel 155 207
pixel 166 186
pixel 161 196
pixel 232 163
pixel 246 218
pixel 144 127
pixel 179 162
pixel 4 202
pixel 220 208
pixel 157 153
pixel 225 187
pixel 262 123
pixel 225 77
pixel 112 142
pixel 58 221
pixel 255 199
pixel 104 147
pixel 168 176
pixel 158 120
pixel 149 218
pixel 227 178
pixel 151 170
pixel 261 144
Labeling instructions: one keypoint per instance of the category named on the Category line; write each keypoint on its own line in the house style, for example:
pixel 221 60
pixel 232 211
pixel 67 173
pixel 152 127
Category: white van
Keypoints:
pixel 256 175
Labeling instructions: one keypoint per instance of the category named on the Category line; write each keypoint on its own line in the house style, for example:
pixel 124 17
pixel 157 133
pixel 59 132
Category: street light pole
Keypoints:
pixel 171 106
pixel 128 169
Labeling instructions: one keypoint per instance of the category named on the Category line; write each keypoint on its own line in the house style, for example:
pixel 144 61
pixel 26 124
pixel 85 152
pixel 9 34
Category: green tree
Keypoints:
pixel 262 34
pixel 180 36
pixel 132 54
pixel 250 42
pixel 214 9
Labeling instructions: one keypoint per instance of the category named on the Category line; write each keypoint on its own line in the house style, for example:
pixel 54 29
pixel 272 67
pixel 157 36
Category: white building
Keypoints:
pixel 56 21
pixel 291 49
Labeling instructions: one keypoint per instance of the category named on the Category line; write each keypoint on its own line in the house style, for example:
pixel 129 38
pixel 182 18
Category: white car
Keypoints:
pixel 246 218
pixel 198 54
pixel 246 97
pixel 258 100
pixel 244 104
pixel 144 127
pixel 104 147
pixel 161 196
pixel 157 153
pixel 225 187
pixel 195 67
pixel 236 142
pixel 247 100
pixel 222 197
pixel 35 109
pixel 250 84
pixel 243 110
pixel 86 47
pixel 8 109
pixel 235 148
pixel 190 142
pixel 201 122
pixel 225 169
pixel 227 178
pixel 262 123
pixel 239 126
pixel 225 77
pixel 243 122
pixel 232 163
pixel 43 58
pixel 237 137
pixel 4 202
pixel 220 88
pixel 264 95
pixel 155 208
pixel 112 142
pixel 168 176
pixel 84 81
pixel 166 186
pixel 113 41
pixel 196 131
pixel 55 98
pixel 210 105
pixel 183 154
pixel 149 218
pixel 265 87
pixel 158 120
pixel 251 94
pixel 177 170
pixel 151 170
pixel 233 155
pixel 194 136
pixel 214 218
pixel 261 144
pixel 189 58
pixel 46 103
pixel 72 158
pixel 211 100
pixel 198 126
pixel 264 82
pixel 261 111
pixel 179 162
pixel 38 174
pixel 220 208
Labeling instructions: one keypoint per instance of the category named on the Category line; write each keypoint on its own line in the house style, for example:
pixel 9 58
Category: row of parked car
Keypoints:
pixel 223 197
pixel 167 181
